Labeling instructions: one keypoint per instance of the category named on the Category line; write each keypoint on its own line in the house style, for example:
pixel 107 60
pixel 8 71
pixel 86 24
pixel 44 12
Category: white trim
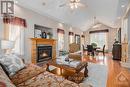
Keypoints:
pixel 126 13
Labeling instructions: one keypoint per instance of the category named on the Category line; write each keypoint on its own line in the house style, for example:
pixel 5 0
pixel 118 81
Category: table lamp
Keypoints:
pixel 7 45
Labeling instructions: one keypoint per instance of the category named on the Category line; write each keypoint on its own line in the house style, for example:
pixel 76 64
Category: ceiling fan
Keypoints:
pixel 73 4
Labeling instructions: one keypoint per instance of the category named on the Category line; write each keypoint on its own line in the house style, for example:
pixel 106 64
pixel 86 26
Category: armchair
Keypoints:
pixel 74 51
pixel 84 48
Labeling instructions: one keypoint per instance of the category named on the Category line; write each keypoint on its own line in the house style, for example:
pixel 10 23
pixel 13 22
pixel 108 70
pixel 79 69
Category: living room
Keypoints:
pixel 32 28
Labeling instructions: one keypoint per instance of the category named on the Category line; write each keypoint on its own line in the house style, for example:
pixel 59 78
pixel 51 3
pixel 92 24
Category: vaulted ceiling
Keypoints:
pixel 106 11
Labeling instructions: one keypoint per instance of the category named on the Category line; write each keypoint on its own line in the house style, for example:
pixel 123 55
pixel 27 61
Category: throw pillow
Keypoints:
pixel 5 69
pixel 13 63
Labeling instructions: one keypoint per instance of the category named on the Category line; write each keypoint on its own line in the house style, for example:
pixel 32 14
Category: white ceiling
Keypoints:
pixel 106 11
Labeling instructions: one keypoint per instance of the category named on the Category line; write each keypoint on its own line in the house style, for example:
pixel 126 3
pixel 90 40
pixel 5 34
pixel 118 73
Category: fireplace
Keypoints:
pixel 44 53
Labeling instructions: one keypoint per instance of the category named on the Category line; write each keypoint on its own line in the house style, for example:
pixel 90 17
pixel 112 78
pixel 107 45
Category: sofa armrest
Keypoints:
pixel 4 80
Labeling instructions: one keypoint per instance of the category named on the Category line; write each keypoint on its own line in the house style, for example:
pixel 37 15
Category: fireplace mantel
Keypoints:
pixel 41 41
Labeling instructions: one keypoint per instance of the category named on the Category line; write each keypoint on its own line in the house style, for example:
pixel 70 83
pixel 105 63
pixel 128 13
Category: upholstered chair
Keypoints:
pixel 74 51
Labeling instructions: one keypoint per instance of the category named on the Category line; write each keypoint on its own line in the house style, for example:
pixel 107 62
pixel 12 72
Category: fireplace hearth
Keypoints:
pixel 44 53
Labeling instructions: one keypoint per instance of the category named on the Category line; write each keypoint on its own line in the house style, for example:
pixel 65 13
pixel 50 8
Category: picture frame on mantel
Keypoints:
pixel 37 33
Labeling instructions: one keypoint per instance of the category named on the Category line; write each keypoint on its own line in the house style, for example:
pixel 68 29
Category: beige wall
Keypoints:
pixel 35 18
pixel 111 35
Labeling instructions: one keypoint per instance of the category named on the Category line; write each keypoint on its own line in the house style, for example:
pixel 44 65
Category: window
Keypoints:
pixel 14 31
pixel 71 37
pixel 124 33
pixel 60 39
pixel 83 40
pixel 16 34
pixel 100 38
pixel 77 39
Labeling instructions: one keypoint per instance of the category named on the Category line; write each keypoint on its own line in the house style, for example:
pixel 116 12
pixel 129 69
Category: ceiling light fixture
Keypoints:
pixel 73 4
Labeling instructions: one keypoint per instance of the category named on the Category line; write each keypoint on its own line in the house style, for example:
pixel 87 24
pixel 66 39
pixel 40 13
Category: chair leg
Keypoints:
pixel 92 53
pixel 89 53
pixel 103 53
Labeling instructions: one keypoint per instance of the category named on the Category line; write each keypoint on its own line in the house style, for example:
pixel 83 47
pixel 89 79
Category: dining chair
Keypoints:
pixel 90 50
pixel 101 50
pixel 84 48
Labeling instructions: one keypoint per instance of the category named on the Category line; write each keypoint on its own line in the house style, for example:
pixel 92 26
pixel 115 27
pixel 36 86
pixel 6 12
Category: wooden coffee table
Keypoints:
pixel 71 73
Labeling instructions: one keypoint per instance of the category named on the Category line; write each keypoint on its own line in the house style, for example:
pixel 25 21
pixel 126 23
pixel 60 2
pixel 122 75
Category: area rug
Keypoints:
pixel 97 75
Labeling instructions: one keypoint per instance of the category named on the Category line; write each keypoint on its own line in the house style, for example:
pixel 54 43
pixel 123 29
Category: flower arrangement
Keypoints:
pixel 50 35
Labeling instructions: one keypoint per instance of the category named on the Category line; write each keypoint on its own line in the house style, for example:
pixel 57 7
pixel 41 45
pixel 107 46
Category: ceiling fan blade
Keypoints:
pixel 62 5
pixel 81 5
pixel 72 0
pixel 77 1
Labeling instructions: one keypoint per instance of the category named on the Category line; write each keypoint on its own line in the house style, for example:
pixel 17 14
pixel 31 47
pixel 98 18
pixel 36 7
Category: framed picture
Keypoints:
pixel 37 33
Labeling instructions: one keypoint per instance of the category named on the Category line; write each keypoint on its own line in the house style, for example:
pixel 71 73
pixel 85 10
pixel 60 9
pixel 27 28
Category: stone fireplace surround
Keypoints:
pixel 39 42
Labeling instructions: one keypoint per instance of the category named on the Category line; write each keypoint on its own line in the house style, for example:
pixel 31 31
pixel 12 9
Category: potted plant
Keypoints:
pixel 94 45
pixel 50 35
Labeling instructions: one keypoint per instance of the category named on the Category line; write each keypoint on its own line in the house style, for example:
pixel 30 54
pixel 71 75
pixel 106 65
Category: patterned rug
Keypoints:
pixel 97 75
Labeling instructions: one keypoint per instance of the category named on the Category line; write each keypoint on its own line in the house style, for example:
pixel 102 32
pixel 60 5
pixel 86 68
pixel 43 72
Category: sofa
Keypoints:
pixel 34 76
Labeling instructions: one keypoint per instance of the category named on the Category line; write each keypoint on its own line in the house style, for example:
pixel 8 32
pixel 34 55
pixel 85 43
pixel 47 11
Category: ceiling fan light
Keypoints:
pixel 77 0
pixel 76 6
pixel 71 6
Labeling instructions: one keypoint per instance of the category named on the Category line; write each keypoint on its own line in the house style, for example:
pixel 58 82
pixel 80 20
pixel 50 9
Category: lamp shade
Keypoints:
pixel 6 44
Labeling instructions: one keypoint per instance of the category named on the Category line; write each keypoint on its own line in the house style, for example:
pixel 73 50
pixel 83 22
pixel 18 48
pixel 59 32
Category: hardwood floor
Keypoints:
pixel 117 75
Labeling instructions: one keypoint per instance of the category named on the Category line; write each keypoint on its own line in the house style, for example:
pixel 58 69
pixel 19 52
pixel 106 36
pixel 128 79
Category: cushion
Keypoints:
pixel 28 72
pixel 4 80
pixel 48 79
pixel 74 47
pixel 13 63
pixel 75 56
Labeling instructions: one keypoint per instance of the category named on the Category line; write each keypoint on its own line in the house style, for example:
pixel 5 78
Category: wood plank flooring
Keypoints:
pixel 117 75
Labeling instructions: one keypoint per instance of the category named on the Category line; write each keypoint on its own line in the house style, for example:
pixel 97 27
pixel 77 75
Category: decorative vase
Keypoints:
pixel 44 35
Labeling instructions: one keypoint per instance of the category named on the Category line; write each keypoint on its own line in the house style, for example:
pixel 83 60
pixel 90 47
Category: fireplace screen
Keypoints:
pixel 44 53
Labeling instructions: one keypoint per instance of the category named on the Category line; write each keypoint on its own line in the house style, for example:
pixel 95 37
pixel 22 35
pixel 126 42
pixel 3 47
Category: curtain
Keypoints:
pixel 14 31
pixel 60 31
pixel 71 37
pixel 14 21
pixel 99 31
pixel 16 34
pixel 60 39
pixel 100 39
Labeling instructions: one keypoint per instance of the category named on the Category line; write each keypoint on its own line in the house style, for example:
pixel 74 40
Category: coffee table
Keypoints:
pixel 68 71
